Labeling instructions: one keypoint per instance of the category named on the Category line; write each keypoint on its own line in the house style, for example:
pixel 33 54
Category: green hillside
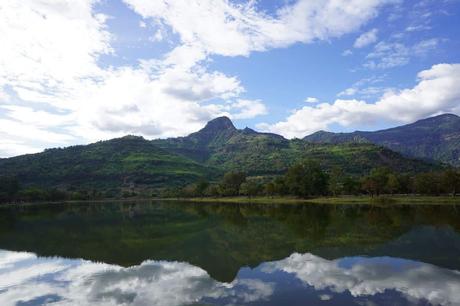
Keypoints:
pixel 123 161
pixel 133 162
pixel 219 144
pixel 435 138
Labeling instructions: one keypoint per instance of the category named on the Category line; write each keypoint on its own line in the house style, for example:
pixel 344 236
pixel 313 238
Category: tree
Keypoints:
pixel 9 188
pixel 212 191
pixel 450 181
pixel 379 177
pixel 269 189
pixel 200 187
pixel 280 185
pixel 351 185
pixel 306 179
pixel 231 183
pixel 250 188
pixel 392 184
pixel 427 183
pixel 335 181
pixel 370 185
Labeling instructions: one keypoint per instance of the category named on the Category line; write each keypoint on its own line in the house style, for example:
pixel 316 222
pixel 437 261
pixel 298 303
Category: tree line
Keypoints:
pixel 11 191
pixel 308 179
pixel 303 179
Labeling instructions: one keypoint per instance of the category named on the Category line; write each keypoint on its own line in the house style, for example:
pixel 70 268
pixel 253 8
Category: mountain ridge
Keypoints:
pixel 216 148
pixel 433 138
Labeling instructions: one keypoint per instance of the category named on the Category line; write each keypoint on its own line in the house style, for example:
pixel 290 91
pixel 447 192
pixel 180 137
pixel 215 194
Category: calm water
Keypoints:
pixel 209 254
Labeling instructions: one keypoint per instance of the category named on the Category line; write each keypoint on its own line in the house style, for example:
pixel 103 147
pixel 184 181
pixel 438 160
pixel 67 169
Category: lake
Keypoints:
pixel 172 253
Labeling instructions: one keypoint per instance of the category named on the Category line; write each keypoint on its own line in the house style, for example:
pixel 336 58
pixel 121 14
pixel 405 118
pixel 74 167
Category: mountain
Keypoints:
pixel 434 138
pixel 220 145
pixel 105 164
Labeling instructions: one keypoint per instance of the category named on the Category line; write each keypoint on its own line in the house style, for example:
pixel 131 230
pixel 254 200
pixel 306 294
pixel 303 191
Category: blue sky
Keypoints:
pixel 74 72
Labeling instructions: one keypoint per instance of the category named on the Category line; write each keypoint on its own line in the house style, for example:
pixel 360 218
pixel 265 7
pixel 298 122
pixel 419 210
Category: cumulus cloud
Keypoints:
pixel 54 90
pixel 366 39
pixel 436 92
pixel 45 43
pixel 247 109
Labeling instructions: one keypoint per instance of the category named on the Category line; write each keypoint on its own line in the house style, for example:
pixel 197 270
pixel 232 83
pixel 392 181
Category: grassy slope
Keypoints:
pixel 435 138
pixel 105 164
pixel 261 156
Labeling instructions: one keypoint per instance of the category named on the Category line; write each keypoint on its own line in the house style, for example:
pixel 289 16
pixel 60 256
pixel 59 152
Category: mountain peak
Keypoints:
pixel 220 123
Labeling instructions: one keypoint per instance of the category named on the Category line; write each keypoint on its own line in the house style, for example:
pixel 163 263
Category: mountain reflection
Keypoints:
pixel 26 279
pixel 221 239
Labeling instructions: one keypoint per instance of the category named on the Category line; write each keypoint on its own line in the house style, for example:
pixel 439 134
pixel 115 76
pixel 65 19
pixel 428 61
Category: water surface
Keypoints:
pixel 154 253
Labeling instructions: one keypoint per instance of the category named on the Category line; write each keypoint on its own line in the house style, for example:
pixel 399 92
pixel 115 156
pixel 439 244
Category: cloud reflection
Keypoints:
pixel 369 276
pixel 30 280
pixel 71 282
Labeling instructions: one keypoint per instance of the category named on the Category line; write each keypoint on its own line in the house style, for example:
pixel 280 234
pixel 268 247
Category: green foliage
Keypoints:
pixel 427 183
pixel 251 188
pixel 132 166
pixel 128 162
pixel 450 180
pixel 231 183
pixel 307 179
pixel 9 187
pixel 436 138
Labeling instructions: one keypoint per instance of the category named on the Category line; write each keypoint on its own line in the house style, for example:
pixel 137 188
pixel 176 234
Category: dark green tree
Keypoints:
pixel 307 179
pixel 269 189
pixel 336 181
pixel 200 187
pixel 450 181
pixel 392 185
pixel 231 183
pixel 250 188
pixel 9 188
pixel 427 183
pixel 351 185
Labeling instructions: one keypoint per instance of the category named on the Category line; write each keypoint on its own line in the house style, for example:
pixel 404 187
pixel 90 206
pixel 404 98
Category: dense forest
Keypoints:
pixel 304 179
pixel 307 179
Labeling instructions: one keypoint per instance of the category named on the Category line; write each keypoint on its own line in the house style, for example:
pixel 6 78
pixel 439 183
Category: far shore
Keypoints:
pixel 338 200
pixel 383 200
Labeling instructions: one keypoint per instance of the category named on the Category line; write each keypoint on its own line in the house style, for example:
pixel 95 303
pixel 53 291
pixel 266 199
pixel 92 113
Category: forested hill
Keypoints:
pixel 217 148
pixel 435 138
pixel 219 144
pixel 106 164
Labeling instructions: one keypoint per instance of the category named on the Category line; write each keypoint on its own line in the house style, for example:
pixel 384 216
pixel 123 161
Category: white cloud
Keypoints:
pixel 50 55
pixel 393 54
pixel 220 27
pixel 366 88
pixel 366 39
pixel 247 109
pixel 347 52
pixel 436 92
pixel 311 100
pixel 45 43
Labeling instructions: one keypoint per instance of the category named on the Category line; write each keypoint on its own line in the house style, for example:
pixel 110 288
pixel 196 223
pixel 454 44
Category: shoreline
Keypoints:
pixel 385 200
pixel 340 200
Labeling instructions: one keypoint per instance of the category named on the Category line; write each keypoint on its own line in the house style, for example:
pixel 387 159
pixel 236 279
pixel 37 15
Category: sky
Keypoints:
pixel 80 71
